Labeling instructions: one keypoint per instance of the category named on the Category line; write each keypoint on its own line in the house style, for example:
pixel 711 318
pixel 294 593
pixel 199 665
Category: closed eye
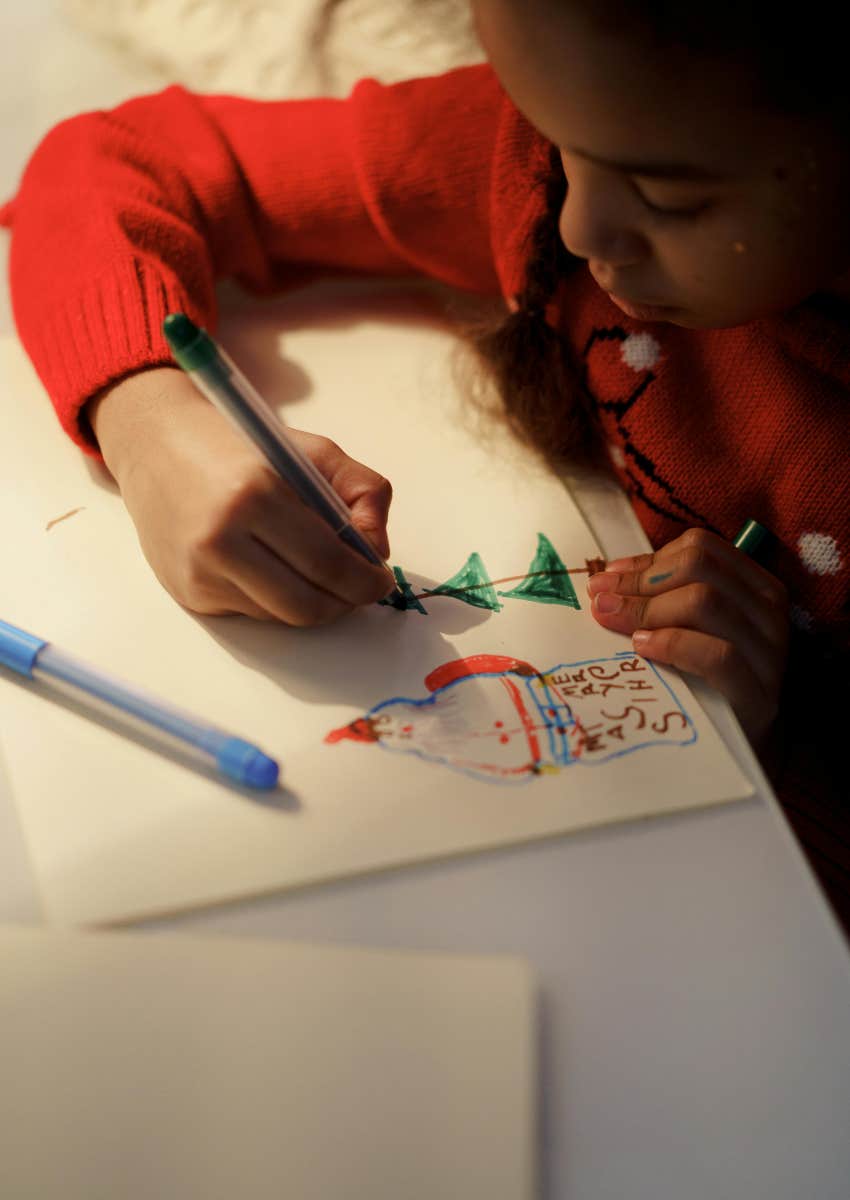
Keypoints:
pixel 684 210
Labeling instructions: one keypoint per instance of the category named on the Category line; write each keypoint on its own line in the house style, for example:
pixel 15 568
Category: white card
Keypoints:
pixel 402 735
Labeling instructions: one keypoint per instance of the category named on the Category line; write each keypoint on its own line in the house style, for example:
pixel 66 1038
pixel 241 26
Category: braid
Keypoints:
pixel 529 362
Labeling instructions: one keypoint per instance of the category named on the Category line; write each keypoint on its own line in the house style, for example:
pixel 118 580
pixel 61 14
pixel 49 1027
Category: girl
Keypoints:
pixel 658 194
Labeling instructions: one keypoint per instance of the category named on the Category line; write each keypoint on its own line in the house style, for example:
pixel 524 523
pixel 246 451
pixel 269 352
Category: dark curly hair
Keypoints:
pixel 527 359
pixel 795 69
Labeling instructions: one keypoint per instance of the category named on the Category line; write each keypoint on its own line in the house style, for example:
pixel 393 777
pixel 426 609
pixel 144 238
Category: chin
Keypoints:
pixel 684 318
pixel 697 321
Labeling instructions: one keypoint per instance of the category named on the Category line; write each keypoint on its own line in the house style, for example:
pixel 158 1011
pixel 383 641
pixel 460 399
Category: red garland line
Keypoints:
pixel 593 567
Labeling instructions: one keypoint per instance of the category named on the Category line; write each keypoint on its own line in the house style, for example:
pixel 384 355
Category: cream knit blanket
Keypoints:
pixel 267 48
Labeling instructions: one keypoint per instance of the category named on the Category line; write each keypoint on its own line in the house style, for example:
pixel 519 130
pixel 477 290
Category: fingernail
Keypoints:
pixel 619 564
pixel 640 637
pixel 605 581
pixel 608 602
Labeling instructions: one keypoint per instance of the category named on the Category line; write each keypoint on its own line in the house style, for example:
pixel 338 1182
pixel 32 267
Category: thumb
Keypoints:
pixel 369 500
pixel 366 493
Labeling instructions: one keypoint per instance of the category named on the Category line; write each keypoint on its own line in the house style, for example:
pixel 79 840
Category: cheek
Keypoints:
pixel 800 242
pixel 704 259
pixel 735 256
pixel 719 275
pixel 759 254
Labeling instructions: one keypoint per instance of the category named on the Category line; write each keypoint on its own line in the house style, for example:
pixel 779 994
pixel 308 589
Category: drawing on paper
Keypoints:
pixel 500 719
pixel 547 581
pixel 471 584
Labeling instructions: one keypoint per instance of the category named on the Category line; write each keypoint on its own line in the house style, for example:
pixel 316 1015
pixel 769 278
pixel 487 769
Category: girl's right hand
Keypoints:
pixel 221 530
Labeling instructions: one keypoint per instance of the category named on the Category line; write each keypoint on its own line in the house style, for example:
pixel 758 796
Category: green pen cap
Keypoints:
pixel 192 347
pixel 755 540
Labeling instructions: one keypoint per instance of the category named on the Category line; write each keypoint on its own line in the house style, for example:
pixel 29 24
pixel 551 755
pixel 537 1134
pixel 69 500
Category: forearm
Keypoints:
pixel 127 215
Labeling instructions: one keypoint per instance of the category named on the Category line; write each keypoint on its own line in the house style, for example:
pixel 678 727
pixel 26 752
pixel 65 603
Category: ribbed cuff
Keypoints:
pixel 111 329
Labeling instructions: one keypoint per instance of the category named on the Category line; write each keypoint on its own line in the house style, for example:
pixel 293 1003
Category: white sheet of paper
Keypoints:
pixel 118 831
pixel 141 1065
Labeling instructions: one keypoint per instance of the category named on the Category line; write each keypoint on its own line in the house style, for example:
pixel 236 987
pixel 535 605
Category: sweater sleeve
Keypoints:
pixel 126 215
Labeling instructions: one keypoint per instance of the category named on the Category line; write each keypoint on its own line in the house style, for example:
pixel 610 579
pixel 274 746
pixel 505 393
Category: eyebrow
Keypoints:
pixel 653 170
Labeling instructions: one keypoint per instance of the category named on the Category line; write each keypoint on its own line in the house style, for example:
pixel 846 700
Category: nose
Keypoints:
pixel 595 221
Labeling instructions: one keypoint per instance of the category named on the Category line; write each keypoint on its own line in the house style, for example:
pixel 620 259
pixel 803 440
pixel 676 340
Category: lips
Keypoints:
pixel 641 312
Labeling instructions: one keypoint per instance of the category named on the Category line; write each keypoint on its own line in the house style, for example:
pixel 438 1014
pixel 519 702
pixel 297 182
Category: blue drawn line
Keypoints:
pixel 621 654
pixel 556 721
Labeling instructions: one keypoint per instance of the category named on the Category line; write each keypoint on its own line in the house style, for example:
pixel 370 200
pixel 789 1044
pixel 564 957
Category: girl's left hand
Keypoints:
pixel 703 606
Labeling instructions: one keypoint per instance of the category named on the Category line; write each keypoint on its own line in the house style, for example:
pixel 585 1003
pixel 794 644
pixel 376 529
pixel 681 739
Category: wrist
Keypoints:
pixel 125 418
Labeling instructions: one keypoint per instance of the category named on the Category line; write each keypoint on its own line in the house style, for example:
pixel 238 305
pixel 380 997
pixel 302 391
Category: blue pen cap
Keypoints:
pixel 246 764
pixel 19 649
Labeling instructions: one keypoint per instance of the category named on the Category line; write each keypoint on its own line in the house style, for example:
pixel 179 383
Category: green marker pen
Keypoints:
pixel 755 540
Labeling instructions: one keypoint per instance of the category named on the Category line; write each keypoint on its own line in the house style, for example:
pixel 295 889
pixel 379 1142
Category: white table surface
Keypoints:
pixel 694 988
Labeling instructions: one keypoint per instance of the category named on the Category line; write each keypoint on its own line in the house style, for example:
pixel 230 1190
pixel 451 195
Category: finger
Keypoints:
pixel 299 538
pixel 701 542
pixel 720 664
pixel 263 507
pixel 244 606
pixel 632 562
pixel 219 597
pixel 698 607
pixel 698 548
pixel 274 587
pixel 366 493
pixel 369 496
pixel 240 605
pixel 766 614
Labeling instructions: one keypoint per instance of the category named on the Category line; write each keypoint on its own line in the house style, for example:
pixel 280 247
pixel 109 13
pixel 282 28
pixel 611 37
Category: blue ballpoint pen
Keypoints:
pixel 37 659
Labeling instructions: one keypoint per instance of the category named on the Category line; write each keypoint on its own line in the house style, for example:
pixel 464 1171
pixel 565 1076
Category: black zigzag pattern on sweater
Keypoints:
pixel 643 469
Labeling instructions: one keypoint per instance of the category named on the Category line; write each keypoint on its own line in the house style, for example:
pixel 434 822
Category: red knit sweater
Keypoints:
pixel 126 215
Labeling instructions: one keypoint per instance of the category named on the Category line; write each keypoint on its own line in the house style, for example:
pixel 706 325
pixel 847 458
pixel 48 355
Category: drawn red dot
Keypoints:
pixel 407 729
pixel 551 712
pixel 504 738
pixel 498 724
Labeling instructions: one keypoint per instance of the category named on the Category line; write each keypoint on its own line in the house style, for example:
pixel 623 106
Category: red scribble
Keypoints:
pixel 359 730
pixel 523 714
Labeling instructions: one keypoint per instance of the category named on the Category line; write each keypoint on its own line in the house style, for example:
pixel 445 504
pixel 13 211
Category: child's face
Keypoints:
pixel 690 203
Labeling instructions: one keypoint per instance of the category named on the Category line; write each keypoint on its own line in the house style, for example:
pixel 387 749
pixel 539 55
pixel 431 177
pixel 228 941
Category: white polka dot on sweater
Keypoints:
pixel 640 351
pixel 819 553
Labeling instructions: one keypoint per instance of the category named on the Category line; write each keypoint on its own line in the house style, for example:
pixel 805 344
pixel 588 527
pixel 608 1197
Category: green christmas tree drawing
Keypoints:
pixel 410 600
pixel 471 584
pixel 547 580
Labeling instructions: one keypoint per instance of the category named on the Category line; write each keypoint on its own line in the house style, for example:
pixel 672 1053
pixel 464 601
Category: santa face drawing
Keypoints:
pixel 499 719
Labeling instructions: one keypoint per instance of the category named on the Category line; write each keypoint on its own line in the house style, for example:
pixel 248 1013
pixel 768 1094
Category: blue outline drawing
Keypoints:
pixel 499 719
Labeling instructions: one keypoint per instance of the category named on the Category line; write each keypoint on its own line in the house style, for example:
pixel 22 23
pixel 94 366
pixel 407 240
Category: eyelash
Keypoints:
pixel 681 213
